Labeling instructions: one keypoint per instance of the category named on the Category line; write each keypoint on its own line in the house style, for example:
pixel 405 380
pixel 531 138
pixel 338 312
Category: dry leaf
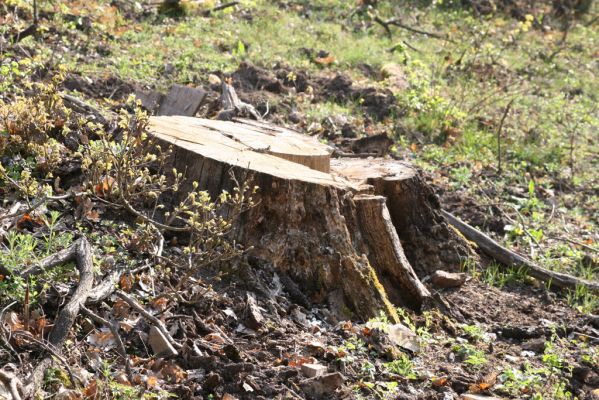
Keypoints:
pixel 104 187
pixel 173 373
pixel 91 390
pixel 215 338
pixel 160 304
pixel 28 222
pixel 13 321
pixel 93 216
pixel 324 60
pixel 121 378
pixel 438 382
pixel 126 282
pixel 486 383
pixel 151 381
pixel 120 308
pixel 103 338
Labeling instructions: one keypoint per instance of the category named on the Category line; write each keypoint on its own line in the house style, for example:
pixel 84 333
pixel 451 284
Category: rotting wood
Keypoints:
pixel 510 258
pixel 306 222
pixel 181 100
pixel 386 253
pixel 233 106
pixel 427 241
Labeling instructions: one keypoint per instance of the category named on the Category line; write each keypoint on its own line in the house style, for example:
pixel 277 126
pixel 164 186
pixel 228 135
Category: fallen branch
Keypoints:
pixel 510 258
pixel 207 13
pixel 81 252
pixel 105 288
pixel 82 107
pixel 12 382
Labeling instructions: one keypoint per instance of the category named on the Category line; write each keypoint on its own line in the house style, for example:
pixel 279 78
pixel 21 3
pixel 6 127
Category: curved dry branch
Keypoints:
pixel 81 252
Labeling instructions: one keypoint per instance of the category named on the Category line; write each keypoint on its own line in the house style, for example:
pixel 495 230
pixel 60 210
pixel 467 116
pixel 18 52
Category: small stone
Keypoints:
pixel 444 279
pixel 212 381
pixel 159 344
pixel 403 337
pixel 534 345
pixel 313 370
pixel 254 318
pixel 214 79
pixel 322 385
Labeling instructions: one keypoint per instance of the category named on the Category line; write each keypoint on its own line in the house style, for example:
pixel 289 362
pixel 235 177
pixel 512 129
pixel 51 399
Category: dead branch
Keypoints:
pixel 221 7
pixel 82 107
pixel 399 24
pixel 12 382
pixel 510 258
pixel 56 259
pixel 81 252
pixel 233 107
pixel 115 332
pixel 105 288
pixel 158 323
pixel 499 129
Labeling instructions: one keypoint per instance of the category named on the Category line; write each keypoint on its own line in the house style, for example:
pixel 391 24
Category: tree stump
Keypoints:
pixel 339 228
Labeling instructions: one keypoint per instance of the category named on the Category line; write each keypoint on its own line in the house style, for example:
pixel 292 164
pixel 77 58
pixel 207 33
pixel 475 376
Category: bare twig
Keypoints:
pixel 399 24
pixel 117 338
pixel 576 242
pixel 499 129
pixel 158 323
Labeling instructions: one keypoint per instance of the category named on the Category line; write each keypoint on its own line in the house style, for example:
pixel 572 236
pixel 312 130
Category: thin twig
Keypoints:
pixel 117 338
pixel 499 129
pixel 158 323
pixel 396 22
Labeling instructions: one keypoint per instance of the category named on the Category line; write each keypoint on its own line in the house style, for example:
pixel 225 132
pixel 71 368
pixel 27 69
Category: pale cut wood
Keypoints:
pixel 254 136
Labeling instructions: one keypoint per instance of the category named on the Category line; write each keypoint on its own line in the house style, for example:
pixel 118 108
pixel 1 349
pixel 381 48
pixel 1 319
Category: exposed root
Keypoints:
pixel 81 252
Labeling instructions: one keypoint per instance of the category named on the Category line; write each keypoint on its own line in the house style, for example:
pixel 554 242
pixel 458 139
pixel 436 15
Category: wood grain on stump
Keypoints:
pixel 340 235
